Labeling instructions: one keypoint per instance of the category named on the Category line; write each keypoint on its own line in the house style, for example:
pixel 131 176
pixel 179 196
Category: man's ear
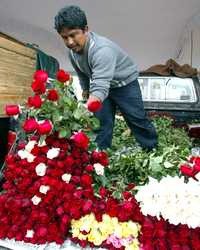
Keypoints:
pixel 86 29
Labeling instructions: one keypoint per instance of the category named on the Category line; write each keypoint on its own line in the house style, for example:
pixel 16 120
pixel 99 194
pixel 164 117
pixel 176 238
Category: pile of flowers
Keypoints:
pixel 56 184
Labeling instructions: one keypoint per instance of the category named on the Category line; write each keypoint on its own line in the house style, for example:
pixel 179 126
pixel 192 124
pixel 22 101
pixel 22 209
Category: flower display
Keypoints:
pixel 57 186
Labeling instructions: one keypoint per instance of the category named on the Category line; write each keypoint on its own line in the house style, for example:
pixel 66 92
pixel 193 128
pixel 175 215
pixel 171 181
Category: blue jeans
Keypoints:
pixel 129 101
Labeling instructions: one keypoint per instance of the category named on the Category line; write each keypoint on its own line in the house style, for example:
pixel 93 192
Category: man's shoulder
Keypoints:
pixel 97 41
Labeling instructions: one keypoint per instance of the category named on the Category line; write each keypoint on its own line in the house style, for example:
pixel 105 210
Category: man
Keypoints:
pixel 107 75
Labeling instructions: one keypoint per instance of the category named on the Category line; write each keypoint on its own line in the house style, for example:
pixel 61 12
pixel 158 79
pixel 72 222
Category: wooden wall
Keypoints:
pixel 17 65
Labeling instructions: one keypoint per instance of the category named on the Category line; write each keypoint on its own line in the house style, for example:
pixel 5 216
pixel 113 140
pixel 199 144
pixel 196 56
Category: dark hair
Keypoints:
pixel 71 17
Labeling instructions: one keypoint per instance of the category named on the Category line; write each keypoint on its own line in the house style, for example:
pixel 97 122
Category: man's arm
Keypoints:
pixel 103 65
pixel 84 80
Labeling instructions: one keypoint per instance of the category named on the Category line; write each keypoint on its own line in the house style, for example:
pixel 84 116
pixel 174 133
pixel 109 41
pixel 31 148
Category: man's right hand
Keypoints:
pixel 85 94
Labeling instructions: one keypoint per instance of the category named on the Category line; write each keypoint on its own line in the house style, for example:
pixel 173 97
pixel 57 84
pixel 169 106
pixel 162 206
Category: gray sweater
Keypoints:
pixel 102 65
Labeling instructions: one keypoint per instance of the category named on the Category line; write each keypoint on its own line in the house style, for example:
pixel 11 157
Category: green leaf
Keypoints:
pixel 117 195
pixel 167 164
pixel 77 114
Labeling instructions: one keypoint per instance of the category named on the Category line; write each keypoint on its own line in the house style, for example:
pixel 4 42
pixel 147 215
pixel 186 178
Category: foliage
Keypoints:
pixel 130 162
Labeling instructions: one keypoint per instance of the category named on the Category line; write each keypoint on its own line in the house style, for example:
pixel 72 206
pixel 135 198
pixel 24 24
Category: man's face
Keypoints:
pixel 74 39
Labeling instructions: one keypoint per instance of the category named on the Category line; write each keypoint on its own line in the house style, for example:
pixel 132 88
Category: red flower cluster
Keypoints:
pixel 39 84
pixel 192 168
pixel 62 201
pixel 159 234
pixel 31 125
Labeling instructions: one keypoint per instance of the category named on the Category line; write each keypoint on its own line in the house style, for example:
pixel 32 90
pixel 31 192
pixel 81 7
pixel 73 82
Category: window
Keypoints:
pixel 181 90
pixel 167 89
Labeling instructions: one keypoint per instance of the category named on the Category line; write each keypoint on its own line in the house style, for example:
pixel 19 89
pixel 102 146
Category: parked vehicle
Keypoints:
pixel 178 97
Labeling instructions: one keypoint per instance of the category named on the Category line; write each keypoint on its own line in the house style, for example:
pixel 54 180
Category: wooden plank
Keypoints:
pixel 16 47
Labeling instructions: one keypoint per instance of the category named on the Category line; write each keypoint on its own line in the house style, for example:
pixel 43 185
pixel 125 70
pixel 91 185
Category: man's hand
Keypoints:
pixel 94 103
pixel 85 94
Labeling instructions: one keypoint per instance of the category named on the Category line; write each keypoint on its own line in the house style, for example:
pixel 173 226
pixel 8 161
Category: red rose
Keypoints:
pixel 78 194
pixel 103 159
pixel 30 125
pixel 75 213
pixel 52 95
pixel 83 243
pixel 86 180
pixel 65 219
pixel 103 192
pixel 35 101
pixel 42 231
pixel 45 127
pixel 131 186
pixel 186 170
pixel 12 109
pixel 126 195
pixel 81 140
pixel 38 87
pixel 94 106
pixel 62 76
pixel 100 157
pixel 40 76
pixel 89 168
pixel 60 210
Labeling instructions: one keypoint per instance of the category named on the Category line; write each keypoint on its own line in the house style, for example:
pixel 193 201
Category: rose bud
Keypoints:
pixel 45 127
pixel 52 95
pixel 94 106
pixel 187 171
pixel 12 109
pixel 62 76
pixel 40 76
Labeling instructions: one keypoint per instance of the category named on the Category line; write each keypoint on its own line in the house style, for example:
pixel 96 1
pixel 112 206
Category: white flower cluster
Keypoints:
pixel 25 153
pixel 173 199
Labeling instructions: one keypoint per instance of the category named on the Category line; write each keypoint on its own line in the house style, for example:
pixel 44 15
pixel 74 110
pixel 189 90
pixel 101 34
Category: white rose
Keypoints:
pixel 41 169
pixel 29 234
pixel 99 169
pixel 36 200
pixel 66 177
pixel 30 157
pixel 44 189
pixel 52 153
pixel 23 154
pixel 42 144
pixel 30 145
